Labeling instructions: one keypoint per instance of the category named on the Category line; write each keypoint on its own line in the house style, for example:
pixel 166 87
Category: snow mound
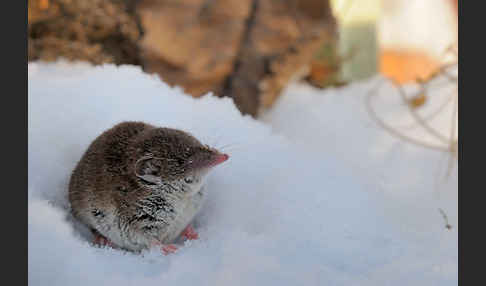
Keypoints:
pixel 278 212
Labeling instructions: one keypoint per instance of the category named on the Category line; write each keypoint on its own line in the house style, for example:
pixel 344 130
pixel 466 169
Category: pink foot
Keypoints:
pixel 190 233
pixel 168 249
pixel 102 241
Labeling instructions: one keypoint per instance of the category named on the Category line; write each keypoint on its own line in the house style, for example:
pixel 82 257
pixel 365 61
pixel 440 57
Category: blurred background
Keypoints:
pixel 250 49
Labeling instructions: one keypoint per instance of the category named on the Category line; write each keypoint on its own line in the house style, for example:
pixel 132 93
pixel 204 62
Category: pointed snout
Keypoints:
pixel 220 158
pixel 208 159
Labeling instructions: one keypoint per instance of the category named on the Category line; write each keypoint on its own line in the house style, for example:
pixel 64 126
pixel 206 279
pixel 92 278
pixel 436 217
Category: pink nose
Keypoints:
pixel 220 158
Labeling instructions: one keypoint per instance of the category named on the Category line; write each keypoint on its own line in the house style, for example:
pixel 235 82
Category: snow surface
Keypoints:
pixel 328 200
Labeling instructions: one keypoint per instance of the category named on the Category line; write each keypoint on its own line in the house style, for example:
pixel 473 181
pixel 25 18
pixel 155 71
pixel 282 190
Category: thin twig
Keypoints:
pixel 418 118
pixel 392 130
pixel 453 142
pixel 444 215
pixel 432 115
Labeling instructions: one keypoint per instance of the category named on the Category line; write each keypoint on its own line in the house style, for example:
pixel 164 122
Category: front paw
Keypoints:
pixel 190 233
pixel 166 248
pixel 102 241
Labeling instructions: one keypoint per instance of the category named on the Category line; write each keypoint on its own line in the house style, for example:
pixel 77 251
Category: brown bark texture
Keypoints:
pixel 98 31
pixel 245 49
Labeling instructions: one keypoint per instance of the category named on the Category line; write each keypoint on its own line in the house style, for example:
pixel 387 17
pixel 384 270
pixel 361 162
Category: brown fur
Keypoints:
pixel 105 180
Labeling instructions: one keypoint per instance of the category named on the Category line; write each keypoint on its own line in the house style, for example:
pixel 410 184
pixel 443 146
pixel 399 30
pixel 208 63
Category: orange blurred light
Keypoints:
pixel 407 66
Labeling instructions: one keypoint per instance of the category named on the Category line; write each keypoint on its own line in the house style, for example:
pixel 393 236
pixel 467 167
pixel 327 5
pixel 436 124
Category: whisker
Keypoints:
pixel 231 147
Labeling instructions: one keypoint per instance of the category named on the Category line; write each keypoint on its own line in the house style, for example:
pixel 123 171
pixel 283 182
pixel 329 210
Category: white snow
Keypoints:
pixel 317 195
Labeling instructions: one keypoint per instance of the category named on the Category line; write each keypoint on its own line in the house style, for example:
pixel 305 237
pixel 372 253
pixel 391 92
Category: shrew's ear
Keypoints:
pixel 146 170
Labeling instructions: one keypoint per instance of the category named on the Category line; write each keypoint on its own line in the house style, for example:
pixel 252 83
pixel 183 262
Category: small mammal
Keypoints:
pixel 139 186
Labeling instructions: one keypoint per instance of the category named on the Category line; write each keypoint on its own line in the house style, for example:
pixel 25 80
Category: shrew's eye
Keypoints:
pixel 189 180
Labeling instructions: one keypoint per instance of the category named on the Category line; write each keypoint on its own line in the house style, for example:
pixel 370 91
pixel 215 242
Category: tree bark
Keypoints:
pixel 244 49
